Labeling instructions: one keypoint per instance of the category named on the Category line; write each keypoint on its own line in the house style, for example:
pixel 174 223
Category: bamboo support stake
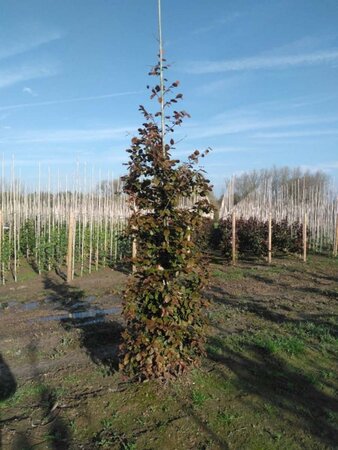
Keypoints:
pixel 269 240
pixel 38 232
pixel 161 77
pixel 335 245
pixel 114 225
pixel 97 243
pixel 134 243
pixel 305 237
pixel 134 253
pixel 91 231
pixel 49 219
pixel 84 224
pixel 110 243
pixel 1 264
pixel 73 248
pixel 233 238
pixel 70 249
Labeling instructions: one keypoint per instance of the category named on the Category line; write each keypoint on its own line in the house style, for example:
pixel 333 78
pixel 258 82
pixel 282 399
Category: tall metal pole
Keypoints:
pixel 161 76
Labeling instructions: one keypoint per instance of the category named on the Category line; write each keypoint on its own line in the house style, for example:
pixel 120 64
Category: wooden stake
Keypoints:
pixel 269 240
pixel 73 248
pixel 1 265
pixel 70 249
pixel 134 253
pixel 335 244
pixel 304 237
pixel 234 238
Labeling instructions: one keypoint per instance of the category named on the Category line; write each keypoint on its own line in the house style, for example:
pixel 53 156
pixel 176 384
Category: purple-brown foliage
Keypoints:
pixel 251 237
pixel 162 302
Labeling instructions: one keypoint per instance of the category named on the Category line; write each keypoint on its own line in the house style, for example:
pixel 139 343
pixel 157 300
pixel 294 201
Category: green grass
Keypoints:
pixel 229 274
pixel 23 393
pixel 227 418
pixel 30 392
pixel 198 397
pixel 269 342
pixel 276 344
pixel 271 410
pixel 311 330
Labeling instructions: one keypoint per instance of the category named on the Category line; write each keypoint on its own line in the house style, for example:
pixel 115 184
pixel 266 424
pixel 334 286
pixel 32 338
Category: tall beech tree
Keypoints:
pixel 163 302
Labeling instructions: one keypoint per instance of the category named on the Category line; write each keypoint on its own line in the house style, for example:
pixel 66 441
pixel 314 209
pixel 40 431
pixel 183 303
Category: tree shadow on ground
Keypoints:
pixel 8 385
pixel 281 385
pixel 324 276
pixel 56 434
pixel 257 306
pixel 203 425
pixel 262 279
pixel 312 290
pixel 275 309
pixel 99 335
pixel 274 306
pixel 7 380
pixel 331 294
pixel 261 374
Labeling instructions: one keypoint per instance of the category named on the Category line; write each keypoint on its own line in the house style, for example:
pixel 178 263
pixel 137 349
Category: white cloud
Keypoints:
pixel 44 162
pixel 218 150
pixel 16 75
pixel 68 100
pixel 216 86
pixel 301 133
pixel 67 136
pixel 214 150
pixel 262 62
pixel 28 90
pixel 295 102
pixel 234 123
pixel 218 23
pixel 24 44
pixel 326 166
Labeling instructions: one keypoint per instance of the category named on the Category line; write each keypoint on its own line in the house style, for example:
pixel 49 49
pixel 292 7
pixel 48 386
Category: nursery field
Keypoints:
pixel 268 381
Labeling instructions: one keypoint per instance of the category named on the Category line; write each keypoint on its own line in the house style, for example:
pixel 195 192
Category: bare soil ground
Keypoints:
pixel 268 381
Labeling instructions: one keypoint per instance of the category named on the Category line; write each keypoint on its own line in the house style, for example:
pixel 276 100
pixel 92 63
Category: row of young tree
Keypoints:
pixel 34 226
pixel 251 238
pixel 288 195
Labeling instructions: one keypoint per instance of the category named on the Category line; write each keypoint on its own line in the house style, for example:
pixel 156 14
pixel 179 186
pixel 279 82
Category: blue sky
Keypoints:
pixel 260 80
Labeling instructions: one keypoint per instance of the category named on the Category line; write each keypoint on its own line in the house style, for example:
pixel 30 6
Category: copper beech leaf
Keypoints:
pixel 163 306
